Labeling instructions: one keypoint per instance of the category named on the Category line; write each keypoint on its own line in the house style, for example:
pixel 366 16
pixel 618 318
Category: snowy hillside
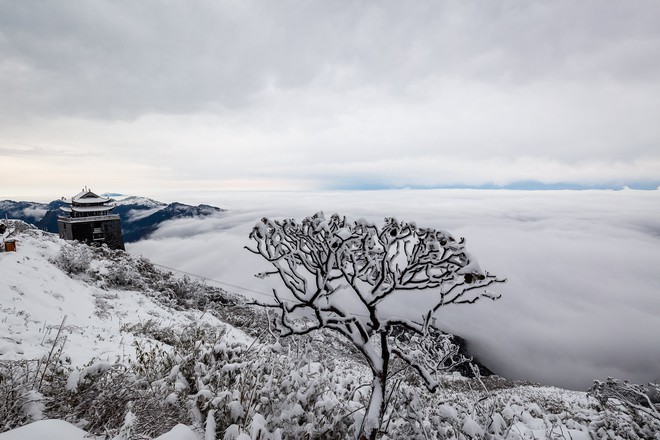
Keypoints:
pixel 38 296
pixel 111 346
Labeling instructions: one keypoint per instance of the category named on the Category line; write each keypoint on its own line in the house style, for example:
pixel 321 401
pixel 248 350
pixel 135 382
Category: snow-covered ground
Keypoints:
pixel 43 309
pixel 94 322
pixel 61 430
pixel 38 298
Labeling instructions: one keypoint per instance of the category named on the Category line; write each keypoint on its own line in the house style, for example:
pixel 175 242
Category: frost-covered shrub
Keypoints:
pixel 103 395
pixel 466 410
pixel 74 259
pixel 25 387
pixel 122 275
pixel 152 329
pixel 20 403
pixel 626 393
pixel 196 376
pixel 264 391
pixel 116 269
pixel 251 320
pixel 183 291
pixel 284 397
pixel 627 410
pixel 100 394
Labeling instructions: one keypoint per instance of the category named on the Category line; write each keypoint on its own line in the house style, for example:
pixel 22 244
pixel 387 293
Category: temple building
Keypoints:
pixel 88 219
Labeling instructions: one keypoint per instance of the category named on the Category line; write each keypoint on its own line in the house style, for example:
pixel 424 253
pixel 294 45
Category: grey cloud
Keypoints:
pixel 123 59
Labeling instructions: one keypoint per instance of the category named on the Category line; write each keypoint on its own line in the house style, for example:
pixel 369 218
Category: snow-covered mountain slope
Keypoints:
pixel 38 296
pixel 139 207
pixel 28 211
pixel 102 339
pixel 140 201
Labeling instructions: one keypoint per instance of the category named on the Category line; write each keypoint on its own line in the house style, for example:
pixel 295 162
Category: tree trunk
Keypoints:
pixel 373 419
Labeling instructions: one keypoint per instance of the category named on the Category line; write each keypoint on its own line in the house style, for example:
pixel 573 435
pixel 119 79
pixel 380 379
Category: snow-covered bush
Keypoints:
pixel 107 396
pixel 646 399
pixel 289 390
pixel 628 410
pixel 100 394
pixel 292 399
pixel 25 387
pixel 74 259
pixel 278 392
pixel 116 269
pixel 121 275
pixel 183 291
pixel 20 403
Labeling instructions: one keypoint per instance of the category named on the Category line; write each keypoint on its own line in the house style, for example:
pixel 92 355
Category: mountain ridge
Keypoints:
pixel 140 216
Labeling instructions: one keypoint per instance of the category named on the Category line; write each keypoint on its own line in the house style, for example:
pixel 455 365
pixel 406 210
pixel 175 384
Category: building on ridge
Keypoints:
pixel 88 219
pixel 6 244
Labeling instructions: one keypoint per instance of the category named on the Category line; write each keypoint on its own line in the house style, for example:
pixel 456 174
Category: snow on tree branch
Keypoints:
pixel 337 274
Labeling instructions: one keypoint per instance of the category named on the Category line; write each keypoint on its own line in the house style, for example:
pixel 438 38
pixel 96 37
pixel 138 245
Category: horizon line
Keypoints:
pixel 516 186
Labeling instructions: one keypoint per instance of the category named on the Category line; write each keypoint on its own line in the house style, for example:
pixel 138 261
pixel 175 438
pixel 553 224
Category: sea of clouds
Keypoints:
pixel 582 297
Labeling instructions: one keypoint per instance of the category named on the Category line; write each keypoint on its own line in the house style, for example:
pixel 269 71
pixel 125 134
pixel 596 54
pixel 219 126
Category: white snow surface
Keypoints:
pixel 46 429
pixel 61 430
pixel 179 432
pixel 37 296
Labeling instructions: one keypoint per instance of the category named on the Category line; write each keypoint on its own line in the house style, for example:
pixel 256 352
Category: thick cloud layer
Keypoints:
pixel 582 298
pixel 298 95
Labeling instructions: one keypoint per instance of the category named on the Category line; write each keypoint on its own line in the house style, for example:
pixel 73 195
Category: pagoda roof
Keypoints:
pixel 96 208
pixel 88 200
pixel 86 197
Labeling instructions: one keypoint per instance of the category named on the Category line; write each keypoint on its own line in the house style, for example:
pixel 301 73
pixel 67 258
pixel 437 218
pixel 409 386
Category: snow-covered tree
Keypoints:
pixel 340 275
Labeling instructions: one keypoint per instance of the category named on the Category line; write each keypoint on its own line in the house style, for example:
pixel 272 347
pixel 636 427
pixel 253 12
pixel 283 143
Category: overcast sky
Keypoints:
pixel 142 96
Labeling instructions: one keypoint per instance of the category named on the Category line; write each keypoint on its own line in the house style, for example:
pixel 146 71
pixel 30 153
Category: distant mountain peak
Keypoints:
pixel 137 200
